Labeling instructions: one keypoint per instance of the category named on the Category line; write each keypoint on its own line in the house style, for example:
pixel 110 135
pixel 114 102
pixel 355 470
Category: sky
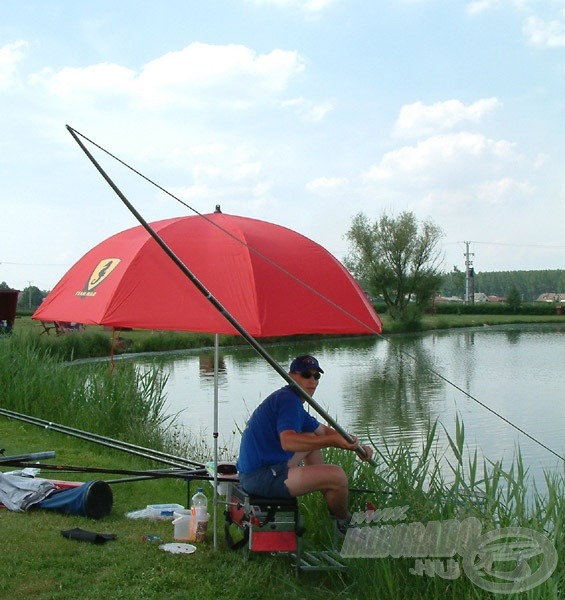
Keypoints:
pixel 301 113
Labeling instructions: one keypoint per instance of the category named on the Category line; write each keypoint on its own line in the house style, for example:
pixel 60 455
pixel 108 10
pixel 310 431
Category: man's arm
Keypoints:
pixel 322 437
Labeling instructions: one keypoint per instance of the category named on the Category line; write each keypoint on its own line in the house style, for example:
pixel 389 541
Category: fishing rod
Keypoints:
pixel 133 449
pixel 8 460
pixel 218 305
pixel 22 462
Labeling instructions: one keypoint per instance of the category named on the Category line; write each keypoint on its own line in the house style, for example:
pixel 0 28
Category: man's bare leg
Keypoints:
pixel 331 480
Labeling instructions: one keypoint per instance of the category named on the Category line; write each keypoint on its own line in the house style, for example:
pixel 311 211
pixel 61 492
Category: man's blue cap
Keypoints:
pixel 305 363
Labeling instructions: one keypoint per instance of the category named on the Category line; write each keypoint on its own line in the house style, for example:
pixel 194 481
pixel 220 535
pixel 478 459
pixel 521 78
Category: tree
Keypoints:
pixel 453 283
pixel 398 259
pixel 514 299
pixel 30 298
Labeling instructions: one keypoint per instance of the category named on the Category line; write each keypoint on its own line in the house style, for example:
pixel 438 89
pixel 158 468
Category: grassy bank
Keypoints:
pixel 96 341
pixel 38 562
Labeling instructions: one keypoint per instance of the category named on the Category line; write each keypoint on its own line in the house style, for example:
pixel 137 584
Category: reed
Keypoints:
pixel 119 401
pixel 431 484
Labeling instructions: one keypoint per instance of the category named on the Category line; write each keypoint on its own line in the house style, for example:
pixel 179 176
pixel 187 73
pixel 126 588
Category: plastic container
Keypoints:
pixel 201 528
pixel 163 511
pixel 199 499
pixel 181 523
pixel 200 516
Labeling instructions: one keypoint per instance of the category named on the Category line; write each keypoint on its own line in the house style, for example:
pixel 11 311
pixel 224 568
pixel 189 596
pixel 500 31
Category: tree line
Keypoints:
pixel 530 284
pixel 398 262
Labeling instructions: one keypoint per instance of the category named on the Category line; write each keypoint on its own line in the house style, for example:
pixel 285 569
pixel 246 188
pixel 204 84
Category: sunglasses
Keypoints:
pixel 308 375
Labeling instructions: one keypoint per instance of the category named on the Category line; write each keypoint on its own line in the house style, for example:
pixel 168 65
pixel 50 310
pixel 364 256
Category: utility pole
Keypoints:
pixel 29 294
pixel 469 276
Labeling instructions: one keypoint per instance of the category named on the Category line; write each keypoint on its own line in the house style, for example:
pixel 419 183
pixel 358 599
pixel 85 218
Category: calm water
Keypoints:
pixel 390 388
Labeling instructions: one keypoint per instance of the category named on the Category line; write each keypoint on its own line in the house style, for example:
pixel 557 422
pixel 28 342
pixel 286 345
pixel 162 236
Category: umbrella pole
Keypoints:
pixel 218 305
pixel 216 427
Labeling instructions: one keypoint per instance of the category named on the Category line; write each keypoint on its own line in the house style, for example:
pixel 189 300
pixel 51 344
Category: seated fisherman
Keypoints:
pixel 280 435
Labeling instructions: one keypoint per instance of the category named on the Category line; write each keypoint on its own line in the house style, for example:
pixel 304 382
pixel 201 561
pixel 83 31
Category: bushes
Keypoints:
pixel 493 308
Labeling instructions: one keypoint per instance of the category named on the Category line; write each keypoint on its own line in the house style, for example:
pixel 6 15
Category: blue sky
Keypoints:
pixel 301 113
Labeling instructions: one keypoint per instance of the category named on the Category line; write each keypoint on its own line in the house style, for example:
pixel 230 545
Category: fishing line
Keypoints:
pixel 231 235
pixel 491 410
pixel 296 279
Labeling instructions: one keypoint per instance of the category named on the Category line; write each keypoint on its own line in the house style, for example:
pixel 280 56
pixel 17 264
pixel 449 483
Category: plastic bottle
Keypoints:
pixel 199 501
pixel 199 511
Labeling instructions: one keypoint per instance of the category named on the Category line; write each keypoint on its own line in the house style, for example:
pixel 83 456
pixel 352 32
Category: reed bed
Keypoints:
pixel 411 482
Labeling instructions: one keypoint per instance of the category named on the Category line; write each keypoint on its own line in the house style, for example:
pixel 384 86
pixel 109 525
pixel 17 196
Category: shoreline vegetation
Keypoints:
pixel 122 403
pixel 96 341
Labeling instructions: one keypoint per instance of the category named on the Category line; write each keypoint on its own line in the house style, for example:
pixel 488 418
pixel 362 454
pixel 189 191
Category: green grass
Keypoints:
pixel 38 562
pixel 42 564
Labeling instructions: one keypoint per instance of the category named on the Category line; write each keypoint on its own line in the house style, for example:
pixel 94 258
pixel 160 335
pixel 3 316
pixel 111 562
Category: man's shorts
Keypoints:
pixel 267 481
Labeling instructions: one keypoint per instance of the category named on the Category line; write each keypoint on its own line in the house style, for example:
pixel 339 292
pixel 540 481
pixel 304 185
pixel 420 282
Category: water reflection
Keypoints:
pixel 391 388
pixel 393 394
pixel 206 366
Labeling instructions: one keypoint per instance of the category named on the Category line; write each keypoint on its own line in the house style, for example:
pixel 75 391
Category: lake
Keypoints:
pixel 496 379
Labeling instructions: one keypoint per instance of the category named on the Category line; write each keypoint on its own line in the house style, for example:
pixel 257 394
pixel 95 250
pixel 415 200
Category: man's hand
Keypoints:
pixel 368 452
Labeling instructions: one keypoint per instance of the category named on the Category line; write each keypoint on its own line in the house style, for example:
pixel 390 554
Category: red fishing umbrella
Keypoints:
pixel 272 280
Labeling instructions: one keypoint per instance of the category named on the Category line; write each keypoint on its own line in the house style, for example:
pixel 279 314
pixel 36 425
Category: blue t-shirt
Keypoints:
pixel 260 442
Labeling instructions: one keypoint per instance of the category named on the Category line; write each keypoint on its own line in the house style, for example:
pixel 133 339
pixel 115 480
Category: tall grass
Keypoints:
pixel 118 401
pixel 416 478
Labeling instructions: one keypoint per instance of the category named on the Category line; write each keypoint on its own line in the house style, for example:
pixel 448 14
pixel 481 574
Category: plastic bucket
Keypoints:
pixel 181 524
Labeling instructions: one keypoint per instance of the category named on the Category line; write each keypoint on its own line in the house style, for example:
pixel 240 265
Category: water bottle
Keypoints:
pixel 199 512
pixel 200 503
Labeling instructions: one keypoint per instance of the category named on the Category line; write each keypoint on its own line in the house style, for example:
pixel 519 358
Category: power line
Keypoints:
pixel 548 246
pixel 19 264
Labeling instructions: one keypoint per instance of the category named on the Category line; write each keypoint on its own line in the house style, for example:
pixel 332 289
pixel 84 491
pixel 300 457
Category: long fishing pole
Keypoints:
pixel 133 449
pixel 218 305
pixel 8 460
pixel 23 462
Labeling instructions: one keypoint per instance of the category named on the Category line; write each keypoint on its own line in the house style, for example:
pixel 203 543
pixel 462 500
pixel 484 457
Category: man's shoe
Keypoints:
pixel 342 525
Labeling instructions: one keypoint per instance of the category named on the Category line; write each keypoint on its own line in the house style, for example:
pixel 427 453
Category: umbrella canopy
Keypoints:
pixel 272 280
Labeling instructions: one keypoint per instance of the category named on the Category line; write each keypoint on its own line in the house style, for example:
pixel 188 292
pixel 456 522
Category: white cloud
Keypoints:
pixel 310 7
pixel 198 76
pixel 313 112
pixel 10 56
pixel 419 119
pixel 549 34
pixel 443 158
pixel 502 190
pixel 72 82
pixel 326 186
pixel 479 6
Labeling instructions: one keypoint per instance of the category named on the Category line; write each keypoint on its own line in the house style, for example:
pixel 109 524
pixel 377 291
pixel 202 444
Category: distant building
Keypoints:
pixel 496 299
pixel 550 297
pixel 480 297
pixel 448 299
